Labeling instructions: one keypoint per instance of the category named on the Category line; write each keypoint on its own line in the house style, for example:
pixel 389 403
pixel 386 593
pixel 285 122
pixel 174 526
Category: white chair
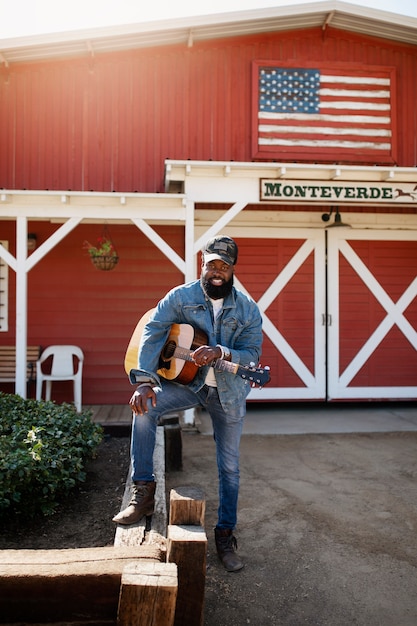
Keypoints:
pixel 63 368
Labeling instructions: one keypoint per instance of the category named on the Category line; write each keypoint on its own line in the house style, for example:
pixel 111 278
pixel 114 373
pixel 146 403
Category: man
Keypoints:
pixel 233 325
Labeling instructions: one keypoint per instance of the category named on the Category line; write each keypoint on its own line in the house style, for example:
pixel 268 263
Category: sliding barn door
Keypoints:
pixel 372 314
pixel 285 275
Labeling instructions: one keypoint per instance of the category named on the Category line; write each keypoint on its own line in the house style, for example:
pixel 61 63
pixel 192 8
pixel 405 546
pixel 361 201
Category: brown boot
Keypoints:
pixel 226 545
pixel 141 503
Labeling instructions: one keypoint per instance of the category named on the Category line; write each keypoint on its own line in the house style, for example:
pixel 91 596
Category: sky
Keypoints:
pixel 21 18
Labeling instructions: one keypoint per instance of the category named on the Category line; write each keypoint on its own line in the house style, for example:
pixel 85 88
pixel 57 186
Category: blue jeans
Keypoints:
pixel 227 430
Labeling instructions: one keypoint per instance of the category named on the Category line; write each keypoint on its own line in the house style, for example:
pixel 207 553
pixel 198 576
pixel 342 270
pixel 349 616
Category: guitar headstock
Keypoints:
pixel 257 376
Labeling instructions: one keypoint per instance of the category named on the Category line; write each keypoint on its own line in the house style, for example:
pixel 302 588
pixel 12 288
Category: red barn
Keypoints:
pixel 291 129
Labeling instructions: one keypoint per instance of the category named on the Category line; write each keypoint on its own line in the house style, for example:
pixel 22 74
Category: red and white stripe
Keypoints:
pixel 355 113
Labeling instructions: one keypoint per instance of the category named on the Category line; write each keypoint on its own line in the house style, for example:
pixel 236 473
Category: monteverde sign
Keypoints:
pixel 273 190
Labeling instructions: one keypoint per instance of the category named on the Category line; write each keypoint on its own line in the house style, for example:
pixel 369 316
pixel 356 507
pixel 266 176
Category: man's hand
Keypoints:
pixel 204 355
pixel 139 400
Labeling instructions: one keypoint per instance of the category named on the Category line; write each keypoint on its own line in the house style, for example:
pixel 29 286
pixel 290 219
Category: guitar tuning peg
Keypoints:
pixel 251 364
pixel 267 368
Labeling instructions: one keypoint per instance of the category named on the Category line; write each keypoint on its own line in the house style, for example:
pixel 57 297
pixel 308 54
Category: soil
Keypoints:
pixel 327 526
pixel 84 517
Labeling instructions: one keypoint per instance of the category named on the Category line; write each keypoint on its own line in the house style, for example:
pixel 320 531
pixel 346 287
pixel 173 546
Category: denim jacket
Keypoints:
pixel 238 327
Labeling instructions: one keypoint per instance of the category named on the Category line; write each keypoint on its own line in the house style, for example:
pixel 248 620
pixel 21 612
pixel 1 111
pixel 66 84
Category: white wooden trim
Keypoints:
pixel 338 382
pixel 51 242
pixel 314 381
pixel 238 185
pixel 219 225
pixel 72 208
pixel 162 245
pixel 4 286
pixel 21 305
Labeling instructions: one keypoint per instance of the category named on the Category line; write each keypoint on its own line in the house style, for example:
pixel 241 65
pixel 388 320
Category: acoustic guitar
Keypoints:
pixel 175 362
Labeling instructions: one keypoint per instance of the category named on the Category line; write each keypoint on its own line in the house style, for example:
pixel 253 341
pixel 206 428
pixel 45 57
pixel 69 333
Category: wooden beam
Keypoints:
pixel 187 547
pixel 62 585
pixel 187 506
pixel 148 594
pixel 173 442
pixel 154 527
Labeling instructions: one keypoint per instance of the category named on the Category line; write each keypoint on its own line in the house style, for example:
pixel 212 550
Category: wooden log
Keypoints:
pixel 173 442
pixel 148 594
pixel 187 506
pixel 58 585
pixel 187 547
pixel 134 534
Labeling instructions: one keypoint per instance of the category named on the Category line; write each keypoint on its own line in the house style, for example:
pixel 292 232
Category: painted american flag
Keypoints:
pixel 324 111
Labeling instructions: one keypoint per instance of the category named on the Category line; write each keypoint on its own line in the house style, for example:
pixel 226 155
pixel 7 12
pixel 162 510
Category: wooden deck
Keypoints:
pixel 115 415
pixel 111 414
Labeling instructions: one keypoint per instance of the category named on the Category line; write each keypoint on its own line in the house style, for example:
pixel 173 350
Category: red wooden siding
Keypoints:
pixel 108 122
pixel 70 301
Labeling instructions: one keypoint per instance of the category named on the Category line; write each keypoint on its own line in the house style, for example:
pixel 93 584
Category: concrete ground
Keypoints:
pixel 293 418
pixel 302 419
pixel 327 516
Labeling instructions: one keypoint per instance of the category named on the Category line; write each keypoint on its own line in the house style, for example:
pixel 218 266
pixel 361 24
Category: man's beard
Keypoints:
pixel 216 292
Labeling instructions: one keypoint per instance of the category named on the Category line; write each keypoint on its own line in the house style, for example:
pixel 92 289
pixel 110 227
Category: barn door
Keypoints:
pixel 285 275
pixel 372 314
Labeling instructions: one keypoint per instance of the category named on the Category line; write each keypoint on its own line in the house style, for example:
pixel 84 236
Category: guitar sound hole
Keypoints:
pixel 169 349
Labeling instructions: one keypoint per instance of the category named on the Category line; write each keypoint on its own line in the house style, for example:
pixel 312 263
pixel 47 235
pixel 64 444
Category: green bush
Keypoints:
pixel 43 449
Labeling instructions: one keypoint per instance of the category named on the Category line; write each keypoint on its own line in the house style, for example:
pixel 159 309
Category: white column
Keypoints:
pixel 21 305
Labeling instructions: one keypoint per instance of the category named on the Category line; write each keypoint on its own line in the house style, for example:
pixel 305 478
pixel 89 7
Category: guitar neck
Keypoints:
pixel 225 366
pixel 218 364
pixel 257 376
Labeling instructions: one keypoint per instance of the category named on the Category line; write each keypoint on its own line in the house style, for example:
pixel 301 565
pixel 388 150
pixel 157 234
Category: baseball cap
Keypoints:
pixel 221 247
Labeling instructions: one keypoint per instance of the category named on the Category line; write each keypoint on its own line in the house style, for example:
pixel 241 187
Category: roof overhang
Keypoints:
pixel 292 183
pixel 93 207
pixel 187 31
pixel 177 171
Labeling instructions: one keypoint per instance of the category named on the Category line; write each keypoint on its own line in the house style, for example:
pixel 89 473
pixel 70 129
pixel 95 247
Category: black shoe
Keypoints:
pixel 226 545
